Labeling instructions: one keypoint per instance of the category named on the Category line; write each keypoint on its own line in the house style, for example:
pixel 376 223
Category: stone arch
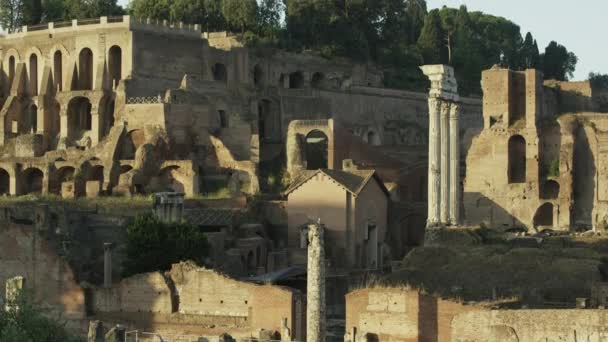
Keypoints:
pixel 125 168
pixel 5 182
pixel 96 173
pixel 170 179
pixel 32 181
pixel 318 80
pixel 544 216
pixel 58 70
pixel 296 80
pixel 115 64
pixel 316 150
pixel 220 73
pixel 258 75
pixel 79 116
pixel 33 73
pixel 517 159
pixel 131 142
pixel 550 190
pixel 85 69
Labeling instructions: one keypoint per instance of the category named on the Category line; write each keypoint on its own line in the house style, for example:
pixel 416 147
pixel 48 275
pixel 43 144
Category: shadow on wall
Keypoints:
pixel 584 175
pixel 481 210
pixel 428 325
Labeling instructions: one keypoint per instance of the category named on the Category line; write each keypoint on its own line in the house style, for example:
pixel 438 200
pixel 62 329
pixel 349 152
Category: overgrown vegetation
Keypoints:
pixel 26 322
pixel 397 35
pixel 485 265
pixel 153 245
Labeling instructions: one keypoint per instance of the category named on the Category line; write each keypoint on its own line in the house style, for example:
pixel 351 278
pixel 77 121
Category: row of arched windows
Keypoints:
pixel 83 76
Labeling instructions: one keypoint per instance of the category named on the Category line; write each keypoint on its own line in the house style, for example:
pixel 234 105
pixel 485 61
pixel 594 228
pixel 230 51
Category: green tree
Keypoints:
pixel 26 322
pixel 558 63
pixel 240 14
pixel 530 56
pixel 187 11
pixel 431 41
pixel 153 9
pixel 598 80
pixel 154 245
pixel 416 11
pixel 32 12
pixel 11 14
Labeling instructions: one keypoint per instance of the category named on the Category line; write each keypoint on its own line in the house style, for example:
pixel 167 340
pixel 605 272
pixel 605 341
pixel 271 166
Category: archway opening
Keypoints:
pixel 517 159
pixel 550 190
pixel 258 76
pixel 85 69
pixel 32 181
pixel 372 138
pixel 79 115
pixel 544 216
pixel 296 80
pixel 11 70
pixel 96 174
pixel 115 64
pixel 316 150
pixel 318 80
pixel 5 181
pixel 33 74
pixel 219 72
pixel 58 70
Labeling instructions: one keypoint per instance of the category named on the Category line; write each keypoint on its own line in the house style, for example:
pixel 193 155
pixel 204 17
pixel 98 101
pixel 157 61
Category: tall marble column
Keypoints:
pixel 444 202
pixel 454 164
pixel 434 180
pixel 444 146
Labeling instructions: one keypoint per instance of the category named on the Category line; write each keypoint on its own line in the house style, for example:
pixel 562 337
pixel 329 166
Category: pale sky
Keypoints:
pixel 579 25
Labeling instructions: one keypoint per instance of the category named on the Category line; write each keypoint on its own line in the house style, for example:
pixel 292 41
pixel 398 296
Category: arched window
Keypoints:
pixel 11 69
pixel 58 70
pixel 85 69
pixel 79 114
pixel 34 74
pixel 115 64
pixel 544 216
pixel 517 159
pixel 550 190
pixel 316 150
pixel 63 175
pixel 258 76
pixel 33 118
pixel 318 80
pixel 219 72
pixel 296 80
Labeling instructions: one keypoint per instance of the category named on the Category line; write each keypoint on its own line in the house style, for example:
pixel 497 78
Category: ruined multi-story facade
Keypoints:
pixel 120 105
pixel 539 160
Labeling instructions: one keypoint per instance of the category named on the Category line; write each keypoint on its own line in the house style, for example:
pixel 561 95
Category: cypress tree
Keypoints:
pixel 431 41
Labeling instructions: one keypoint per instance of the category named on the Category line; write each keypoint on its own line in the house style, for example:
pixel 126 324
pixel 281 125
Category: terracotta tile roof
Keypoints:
pixel 352 181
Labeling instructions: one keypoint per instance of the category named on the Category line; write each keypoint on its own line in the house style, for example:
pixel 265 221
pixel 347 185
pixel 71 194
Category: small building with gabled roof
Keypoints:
pixel 352 204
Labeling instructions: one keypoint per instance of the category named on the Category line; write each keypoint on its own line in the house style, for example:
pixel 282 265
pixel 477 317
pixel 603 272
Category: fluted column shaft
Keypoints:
pixel 444 206
pixel 454 164
pixel 434 179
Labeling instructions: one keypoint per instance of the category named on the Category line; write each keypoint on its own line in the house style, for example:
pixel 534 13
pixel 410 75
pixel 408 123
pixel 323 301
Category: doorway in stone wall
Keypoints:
pixel 316 150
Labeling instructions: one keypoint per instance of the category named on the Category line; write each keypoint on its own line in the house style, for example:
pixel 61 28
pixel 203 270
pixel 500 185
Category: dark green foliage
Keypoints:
pixel 153 245
pixel 558 63
pixel 598 81
pixel 25 322
pixel 240 14
pixel 431 41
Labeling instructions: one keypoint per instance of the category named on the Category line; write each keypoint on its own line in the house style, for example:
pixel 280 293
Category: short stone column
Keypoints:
pixel 315 285
pixel 454 164
pixel 107 264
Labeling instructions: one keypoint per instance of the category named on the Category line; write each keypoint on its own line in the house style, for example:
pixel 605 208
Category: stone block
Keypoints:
pixel 95 332
pixel 29 145
pixel 93 189
pixel 68 190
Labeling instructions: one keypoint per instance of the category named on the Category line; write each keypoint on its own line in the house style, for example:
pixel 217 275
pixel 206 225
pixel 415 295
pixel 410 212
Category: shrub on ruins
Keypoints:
pixel 153 245
pixel 24 321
